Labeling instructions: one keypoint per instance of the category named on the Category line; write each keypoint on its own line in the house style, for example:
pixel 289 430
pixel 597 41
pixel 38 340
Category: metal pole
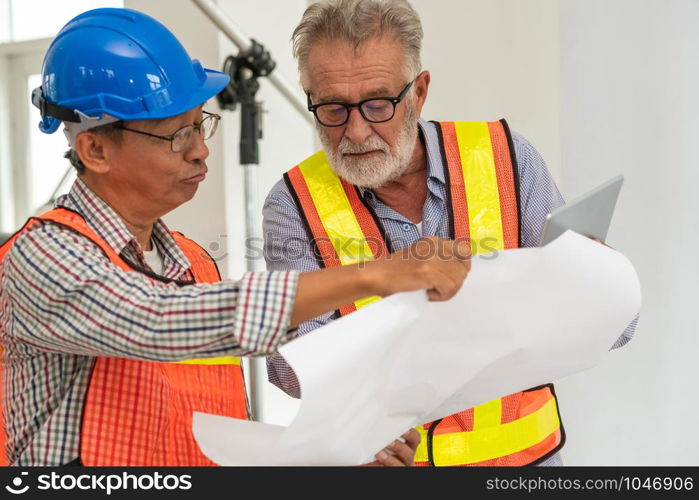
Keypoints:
pixel 294 97
pixel 243 43
pixel 256 372
pixel 251 220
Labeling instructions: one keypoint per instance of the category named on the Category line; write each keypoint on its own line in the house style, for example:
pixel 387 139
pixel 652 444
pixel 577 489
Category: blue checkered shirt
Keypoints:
pixel 287 245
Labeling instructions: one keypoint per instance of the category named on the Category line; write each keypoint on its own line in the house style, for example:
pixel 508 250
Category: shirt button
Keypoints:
pixel 407 227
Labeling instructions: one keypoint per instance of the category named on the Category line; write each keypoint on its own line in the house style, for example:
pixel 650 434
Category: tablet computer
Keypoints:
pixel 589 215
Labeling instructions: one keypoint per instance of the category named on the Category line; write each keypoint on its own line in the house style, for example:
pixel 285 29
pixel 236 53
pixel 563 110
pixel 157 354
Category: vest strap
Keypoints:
pixel 225 360
pixel 125 424
pixel 344 229
pixel 484 207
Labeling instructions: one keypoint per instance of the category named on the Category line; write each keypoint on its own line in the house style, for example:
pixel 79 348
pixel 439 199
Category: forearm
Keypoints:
pixel 66 297
pixel 325 290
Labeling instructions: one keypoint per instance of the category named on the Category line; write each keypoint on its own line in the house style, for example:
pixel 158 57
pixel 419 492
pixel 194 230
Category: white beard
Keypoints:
pixel 375 171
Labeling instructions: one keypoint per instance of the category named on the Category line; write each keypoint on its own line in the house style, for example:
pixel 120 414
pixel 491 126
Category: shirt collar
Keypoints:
pixel 435 166
pixel 111 228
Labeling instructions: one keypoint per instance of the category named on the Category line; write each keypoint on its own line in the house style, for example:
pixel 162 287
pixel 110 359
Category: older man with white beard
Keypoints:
pixel 387 178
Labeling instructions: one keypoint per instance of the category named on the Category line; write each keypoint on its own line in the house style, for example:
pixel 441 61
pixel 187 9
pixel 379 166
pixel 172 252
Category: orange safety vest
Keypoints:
pixel 483 204
pixel 139 413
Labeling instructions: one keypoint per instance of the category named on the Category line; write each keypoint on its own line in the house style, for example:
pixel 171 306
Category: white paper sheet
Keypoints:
pixel 523 318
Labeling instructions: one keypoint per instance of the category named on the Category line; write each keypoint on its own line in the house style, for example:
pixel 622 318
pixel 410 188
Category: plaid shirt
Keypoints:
pixel 61 299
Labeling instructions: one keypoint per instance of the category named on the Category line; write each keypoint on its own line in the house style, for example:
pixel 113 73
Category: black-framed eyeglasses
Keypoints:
pixel 374 110
pixel 182 138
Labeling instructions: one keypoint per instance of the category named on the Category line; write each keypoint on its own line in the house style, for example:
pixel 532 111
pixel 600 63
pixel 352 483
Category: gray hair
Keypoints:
pixel 357 21
pixel 110 130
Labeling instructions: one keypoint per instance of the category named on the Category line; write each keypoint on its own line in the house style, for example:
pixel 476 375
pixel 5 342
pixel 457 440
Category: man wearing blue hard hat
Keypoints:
pixel 115 329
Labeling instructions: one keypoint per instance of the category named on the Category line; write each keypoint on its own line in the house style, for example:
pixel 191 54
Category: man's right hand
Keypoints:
pixel 434 264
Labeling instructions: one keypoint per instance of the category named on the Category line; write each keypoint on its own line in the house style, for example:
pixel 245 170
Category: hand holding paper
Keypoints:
pixel 524 318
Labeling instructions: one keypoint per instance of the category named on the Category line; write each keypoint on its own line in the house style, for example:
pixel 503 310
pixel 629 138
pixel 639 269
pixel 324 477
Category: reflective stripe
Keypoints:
pixel 508 182
pixel 481 184
pixel 483 201
pixel 336 213
pixel 460 448
pixel 366 301
pixel 457 206
pixel 225 360
pixel 421 452
pixel 487 415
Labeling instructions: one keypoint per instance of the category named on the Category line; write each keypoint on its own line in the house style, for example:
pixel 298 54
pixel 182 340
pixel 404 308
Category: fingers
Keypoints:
pixel 446 282
pixel 375 463
pixel 403 452
pixel 385 459
pixel 399 453
pixel 426 249
pixel 396 454
pixel 450 268
pixel 434 264
pixel 412 438
pixel 433 247
pixel 462 251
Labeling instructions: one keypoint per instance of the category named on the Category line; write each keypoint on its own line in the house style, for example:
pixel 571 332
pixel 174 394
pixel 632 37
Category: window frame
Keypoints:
pixel 18 60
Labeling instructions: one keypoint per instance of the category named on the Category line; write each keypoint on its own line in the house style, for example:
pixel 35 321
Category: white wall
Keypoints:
pixel 493 59
pixel 203 218
pixel 630 74
pixel 287 140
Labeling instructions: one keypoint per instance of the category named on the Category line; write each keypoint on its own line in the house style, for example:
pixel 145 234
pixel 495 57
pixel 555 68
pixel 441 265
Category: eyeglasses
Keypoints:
pixel 374 110
pixel 182 138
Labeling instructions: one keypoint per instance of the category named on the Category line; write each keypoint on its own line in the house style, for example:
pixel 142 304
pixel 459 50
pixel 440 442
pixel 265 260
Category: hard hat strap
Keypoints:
pixel 53 110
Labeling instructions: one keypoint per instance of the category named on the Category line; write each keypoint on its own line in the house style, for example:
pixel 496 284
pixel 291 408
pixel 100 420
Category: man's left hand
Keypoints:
pixel 399 453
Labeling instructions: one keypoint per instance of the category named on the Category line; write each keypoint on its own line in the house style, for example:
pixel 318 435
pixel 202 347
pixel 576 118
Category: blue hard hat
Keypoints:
pixel 121 63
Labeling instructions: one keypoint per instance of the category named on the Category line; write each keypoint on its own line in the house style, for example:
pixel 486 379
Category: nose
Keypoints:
pixel 197 150
pixel 357 129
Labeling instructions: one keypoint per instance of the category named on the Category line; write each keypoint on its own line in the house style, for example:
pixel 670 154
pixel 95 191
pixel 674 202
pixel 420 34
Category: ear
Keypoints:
pixel 422 85
pixel 92 150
